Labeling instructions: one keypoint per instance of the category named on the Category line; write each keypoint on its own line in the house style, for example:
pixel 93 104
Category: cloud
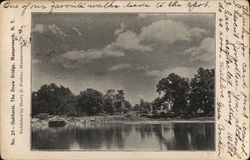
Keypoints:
pixel 75 59
pixel 41 28
pixel 167 32
pixel 120 30
pixel 181 71
pixel 118 67
pixel 186 72
pixel 204 52
pixel 129 40
pixel 164 32
pixel 54 29
pixel 197 32
pixel 153 73
pixel 144 67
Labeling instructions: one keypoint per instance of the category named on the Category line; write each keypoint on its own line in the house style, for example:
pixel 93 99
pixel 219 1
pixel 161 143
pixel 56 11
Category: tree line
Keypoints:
pixel 58 100
pixel 177 95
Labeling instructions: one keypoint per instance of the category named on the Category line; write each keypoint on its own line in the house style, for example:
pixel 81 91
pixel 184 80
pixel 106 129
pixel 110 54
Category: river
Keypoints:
pixel 153 137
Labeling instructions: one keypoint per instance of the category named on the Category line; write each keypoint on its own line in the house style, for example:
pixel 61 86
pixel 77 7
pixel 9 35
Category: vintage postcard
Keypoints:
pixel 124 79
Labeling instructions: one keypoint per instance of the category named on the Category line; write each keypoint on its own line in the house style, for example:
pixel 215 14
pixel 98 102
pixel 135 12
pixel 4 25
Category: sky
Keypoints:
pixel 128 51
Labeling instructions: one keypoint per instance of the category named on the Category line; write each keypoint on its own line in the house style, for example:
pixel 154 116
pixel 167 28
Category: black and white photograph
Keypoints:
pixel 123 81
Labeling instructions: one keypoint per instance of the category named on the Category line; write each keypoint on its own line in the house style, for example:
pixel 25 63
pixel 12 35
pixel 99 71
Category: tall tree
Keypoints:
pixel 145 107
pixel 127 106
pixel 202 92
pixel 136 107
pixel 119 103
pixel 175 90
pixel 90 101
pixel 157 103
pixel 53 100
pixel 109 102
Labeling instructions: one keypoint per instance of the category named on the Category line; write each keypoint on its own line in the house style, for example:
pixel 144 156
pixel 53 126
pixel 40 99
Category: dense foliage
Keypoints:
pixel 53 100
pixel 178 96
pixel 175 91
pixel 90 102
pixel 202 93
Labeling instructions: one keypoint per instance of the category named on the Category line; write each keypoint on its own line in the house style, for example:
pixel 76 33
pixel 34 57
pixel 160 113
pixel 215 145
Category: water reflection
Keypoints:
pixel 169 136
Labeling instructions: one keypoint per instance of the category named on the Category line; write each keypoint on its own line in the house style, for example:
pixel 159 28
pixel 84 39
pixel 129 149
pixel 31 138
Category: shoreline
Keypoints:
pixel 37 123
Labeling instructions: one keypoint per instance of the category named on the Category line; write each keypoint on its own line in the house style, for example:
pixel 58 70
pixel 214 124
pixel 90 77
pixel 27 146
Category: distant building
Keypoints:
pixel 166 107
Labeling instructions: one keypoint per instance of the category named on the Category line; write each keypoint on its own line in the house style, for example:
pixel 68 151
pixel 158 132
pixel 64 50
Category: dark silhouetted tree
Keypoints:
pixel 145 107
pixel 136 107
pixel 157 103
pixel 127 106
pixel 53 100
pixel 175 90
pixel 90 101
pixel 109 102
pixel 202 92
pixel 119 102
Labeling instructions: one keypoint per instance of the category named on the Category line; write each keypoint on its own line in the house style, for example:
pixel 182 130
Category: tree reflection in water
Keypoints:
pixel 169 136
pixel 186 136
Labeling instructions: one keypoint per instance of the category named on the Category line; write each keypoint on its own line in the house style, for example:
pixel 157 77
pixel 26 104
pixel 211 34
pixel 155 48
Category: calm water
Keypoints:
pixel 170 136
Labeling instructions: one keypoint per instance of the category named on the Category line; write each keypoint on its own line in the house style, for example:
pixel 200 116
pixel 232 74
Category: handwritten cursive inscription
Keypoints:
pixel 232 110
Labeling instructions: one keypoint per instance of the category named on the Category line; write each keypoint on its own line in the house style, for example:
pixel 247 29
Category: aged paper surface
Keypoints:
pixel 131 49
